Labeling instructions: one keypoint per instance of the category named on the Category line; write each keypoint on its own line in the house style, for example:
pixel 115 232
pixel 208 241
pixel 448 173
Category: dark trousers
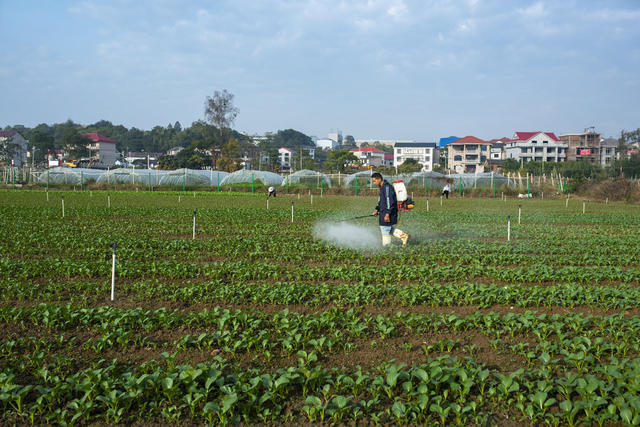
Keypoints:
pixel 446 194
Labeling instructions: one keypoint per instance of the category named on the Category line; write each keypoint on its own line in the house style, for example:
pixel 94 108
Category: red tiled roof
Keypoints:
pixel 469 140
pixel 388 156
pixel 524 136
pixel 96 137
pixel 8 133
pixel 367 149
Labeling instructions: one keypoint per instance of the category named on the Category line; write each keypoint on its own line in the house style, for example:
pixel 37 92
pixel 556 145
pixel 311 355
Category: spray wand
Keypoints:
pixel 356 217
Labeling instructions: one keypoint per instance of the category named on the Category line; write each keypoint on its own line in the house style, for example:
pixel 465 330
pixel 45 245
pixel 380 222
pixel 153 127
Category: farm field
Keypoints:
pixel 257 320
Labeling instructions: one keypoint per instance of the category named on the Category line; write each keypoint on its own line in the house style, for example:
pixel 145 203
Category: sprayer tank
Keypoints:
pixel 401 191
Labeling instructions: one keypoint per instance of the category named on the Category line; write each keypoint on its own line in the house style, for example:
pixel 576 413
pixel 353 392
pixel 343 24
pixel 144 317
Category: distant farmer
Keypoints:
pixel 446 190
pixel 387 209
pixel 272 192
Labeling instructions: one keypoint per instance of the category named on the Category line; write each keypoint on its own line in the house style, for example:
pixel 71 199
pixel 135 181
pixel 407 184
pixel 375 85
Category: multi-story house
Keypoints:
pixel 369 156
pixel 18 147
pixel 582 146
pixel 468 154
pixel 102 149
pixel 285 156
pixel 608 151
pixel 425 153
pixel 536 147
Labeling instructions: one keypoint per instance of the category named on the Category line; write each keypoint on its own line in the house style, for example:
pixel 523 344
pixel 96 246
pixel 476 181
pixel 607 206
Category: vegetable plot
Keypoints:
pixel 255 321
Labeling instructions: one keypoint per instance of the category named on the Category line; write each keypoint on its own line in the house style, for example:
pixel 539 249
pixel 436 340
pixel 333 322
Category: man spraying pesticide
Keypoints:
pixel 389 203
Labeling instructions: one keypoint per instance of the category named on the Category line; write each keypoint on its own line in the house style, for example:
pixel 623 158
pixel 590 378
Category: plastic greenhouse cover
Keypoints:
pixel 247 176
pixel 308 176
pixel 193 177
pixel 131 176
pixel 72 176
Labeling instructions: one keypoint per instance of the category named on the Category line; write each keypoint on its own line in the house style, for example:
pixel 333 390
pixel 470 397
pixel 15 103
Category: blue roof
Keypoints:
pixel 448 140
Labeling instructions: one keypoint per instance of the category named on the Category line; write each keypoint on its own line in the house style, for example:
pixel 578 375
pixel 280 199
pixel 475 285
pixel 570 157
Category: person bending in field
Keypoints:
pixel 446 190
pixel 387 209
pixel 272 192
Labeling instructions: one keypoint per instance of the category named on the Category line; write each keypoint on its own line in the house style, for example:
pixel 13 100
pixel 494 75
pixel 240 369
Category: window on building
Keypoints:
pixel 523 150
pixel 471 158
pixel 399 150
pixel 534 142
pixel 472 147
pixel 545 142
pixel 551 149
pixel 538 159
pixel 483 148
pixel 483 158
pixel 457 158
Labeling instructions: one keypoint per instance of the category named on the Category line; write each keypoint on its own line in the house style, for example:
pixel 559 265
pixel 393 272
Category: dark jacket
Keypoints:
pixel 387 203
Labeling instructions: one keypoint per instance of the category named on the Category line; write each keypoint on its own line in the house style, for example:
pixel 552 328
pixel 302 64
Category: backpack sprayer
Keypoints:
pixel 405 204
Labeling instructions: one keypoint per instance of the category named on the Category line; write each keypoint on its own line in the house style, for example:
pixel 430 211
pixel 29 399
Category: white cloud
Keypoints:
pixel 536 10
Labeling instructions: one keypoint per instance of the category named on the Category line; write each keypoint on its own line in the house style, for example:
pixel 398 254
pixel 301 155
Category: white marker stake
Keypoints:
pixel 298 196
pixel 542 195
pixel 583 206
pixel 47 196
pixel 291 211
pixel 178 199
pixel 113 270
pixel 311 198
pixel 508 228
pixel 194 194
pixel 267 203
pixel 519 213
pixel 108 201
pixel 440 200
pixel 62 206
pixel 606 201
pixel 427 205
pixel 194 225
pixel 566 203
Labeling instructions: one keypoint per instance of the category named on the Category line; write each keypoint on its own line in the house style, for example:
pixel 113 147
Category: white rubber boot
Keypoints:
pixel 386 239
pixel 402 236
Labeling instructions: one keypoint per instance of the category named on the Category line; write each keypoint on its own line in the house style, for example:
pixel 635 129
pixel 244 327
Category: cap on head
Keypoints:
pixel 376 175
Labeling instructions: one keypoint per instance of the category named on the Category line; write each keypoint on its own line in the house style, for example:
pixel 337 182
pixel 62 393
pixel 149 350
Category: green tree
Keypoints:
pixel 339 160
pixel 76 143
pixel 229 159
pixel 510 165
pixel 349 140
pixel 7 150
pixel 42 142
pixel 409 165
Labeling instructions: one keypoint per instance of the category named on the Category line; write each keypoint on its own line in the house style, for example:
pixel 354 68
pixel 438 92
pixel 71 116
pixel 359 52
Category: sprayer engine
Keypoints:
pixel 406 205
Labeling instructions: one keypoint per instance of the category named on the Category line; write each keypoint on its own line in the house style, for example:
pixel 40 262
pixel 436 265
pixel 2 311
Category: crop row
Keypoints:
pixel 322 293
pixel 442 390
pixel 245 270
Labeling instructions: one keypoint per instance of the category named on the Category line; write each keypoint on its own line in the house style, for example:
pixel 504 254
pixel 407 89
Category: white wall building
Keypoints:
pixel 369 156
pixel 102 149
pixel 285 156
pixel 18 147
pixel 327 144
pixel 425 153
pixel 608 151
pixel 536 147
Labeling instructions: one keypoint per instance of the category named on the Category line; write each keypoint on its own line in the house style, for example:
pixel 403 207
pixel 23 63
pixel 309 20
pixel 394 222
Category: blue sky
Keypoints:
pixel 396 69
